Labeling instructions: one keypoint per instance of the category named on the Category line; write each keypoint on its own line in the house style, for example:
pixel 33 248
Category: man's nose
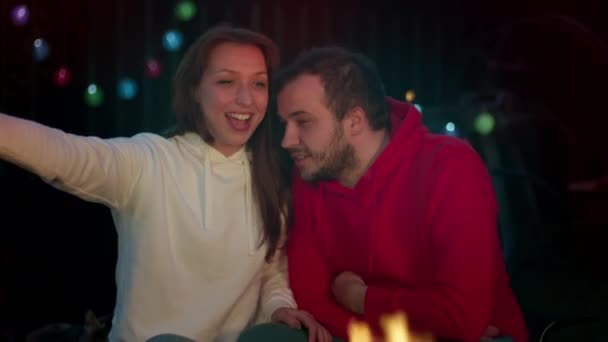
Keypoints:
pixel 290 137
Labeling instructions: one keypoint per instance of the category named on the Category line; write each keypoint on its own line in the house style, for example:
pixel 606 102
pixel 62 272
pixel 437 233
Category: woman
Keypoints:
pixel 198 214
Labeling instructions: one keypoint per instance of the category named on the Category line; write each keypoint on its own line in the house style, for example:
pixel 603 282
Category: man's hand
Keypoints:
pixel 296 318
pixel 490 334
pixel 349 290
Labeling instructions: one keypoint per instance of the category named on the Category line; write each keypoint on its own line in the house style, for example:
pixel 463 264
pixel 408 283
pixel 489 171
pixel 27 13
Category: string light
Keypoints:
pixel 62 76
pixel 450 129
pixel 127 89
pixel 20 15
pixel 410 96
pixel 40 50
pixel 484 123
pixel 185 10
pixel 93 96
pixel 173 40
pixel 153 68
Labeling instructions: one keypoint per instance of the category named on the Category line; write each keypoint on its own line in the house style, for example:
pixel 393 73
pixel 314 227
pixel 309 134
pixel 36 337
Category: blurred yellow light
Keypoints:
pixel 410 96
pixel 395 329
pixel 359 332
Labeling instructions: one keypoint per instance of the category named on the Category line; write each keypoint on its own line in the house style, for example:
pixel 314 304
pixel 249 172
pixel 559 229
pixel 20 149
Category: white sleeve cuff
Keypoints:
pixel 278 299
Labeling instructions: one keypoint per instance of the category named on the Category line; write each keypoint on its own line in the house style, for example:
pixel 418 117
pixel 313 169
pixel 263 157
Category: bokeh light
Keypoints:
pixel 173 40
pixel 93 96
pixel 153 68
pixel 62 76
pixel 410 96
pixel 185 10
pixel 40 50
pixel 127 89
pixel 20 15
pixel 450 129
pixel 484 123
pixel 418 107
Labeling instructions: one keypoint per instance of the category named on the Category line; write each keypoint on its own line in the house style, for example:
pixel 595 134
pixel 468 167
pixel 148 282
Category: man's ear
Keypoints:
pixel 355 121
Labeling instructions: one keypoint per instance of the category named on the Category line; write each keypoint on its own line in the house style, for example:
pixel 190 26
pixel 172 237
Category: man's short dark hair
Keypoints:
pixel 349 80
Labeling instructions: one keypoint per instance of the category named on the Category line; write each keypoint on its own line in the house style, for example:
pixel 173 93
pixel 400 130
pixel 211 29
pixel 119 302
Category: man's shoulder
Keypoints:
pixel 441 153
pixel 439 142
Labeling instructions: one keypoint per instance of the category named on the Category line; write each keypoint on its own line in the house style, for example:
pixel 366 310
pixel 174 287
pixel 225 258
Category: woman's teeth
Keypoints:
pixel 239 116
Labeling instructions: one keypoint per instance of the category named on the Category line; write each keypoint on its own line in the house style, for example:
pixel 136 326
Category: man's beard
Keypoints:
pixel 338 158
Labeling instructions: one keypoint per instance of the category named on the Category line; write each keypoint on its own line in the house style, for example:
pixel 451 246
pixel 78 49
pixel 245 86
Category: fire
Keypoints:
pixel 359 332
pixel 395 329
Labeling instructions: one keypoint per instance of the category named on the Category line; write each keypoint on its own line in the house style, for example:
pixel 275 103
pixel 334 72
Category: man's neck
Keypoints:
pixel 367 150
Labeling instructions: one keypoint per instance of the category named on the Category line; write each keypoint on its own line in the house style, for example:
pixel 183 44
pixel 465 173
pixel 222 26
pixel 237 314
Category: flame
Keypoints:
pixel 359 332
pixel 395 328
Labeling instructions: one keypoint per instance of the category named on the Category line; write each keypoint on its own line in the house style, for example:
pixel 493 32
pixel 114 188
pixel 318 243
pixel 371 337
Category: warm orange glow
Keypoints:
pixel 410 96
pixel 359 332
pixel 395 329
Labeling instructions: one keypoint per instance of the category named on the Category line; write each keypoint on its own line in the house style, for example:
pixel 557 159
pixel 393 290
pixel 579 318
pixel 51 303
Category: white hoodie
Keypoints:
pixel 188 227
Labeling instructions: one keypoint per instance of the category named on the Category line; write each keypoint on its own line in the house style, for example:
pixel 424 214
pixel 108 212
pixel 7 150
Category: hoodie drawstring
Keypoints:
pixel 249 206
pixel 244 164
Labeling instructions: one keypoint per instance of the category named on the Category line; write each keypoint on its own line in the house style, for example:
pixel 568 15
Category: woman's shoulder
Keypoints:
pixel 158 141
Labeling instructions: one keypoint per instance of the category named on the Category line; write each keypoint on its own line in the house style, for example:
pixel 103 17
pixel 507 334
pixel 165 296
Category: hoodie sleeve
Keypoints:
pixel 275 285
pixel 461 216
pixel 96 170
pixel 309 276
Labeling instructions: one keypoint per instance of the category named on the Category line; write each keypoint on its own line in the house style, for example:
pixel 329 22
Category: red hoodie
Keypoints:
pixel 419 228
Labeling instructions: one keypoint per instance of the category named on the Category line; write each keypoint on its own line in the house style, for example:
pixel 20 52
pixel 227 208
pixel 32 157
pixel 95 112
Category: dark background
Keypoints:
pixel 539 67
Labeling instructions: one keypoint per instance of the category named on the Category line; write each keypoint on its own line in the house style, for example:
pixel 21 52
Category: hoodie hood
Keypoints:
pixel 406 134
pixel 221 169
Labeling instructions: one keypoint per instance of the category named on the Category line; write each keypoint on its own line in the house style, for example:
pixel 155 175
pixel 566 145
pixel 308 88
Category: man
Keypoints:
pixel 387 216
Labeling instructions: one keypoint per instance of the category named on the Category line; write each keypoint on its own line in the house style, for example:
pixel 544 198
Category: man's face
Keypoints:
pixel 314 138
